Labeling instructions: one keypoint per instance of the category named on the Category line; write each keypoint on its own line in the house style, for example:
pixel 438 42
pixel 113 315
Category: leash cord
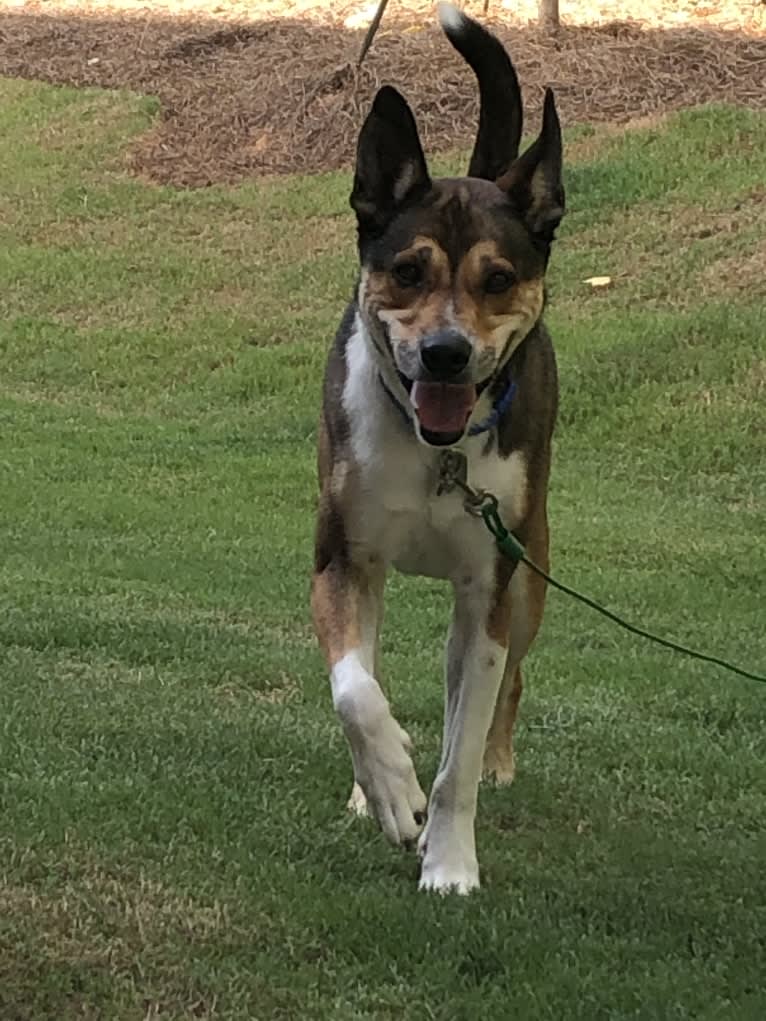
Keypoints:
pixel 510 547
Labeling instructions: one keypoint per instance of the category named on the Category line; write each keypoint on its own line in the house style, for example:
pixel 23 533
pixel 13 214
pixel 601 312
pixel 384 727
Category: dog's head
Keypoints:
pixel 452 270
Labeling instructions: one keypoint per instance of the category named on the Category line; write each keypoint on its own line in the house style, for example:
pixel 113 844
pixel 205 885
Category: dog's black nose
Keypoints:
pixel 445 354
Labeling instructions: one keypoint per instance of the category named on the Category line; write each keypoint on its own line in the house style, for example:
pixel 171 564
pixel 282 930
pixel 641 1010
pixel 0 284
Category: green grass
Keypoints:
pixel 172 839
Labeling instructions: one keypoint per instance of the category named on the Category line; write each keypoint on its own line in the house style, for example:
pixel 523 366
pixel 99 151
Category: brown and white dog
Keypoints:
pixel 443 347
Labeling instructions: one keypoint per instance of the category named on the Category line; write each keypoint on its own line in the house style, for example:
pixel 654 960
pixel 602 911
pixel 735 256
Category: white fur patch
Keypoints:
pixel 357 802
pixel 451 18
pixel 380 750
pixel 507 479
pixel 407 177
pixel 451 867
pixel 356 695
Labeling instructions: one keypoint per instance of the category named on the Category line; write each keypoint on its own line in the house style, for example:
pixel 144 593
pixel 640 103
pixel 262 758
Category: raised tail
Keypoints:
pixel 500 116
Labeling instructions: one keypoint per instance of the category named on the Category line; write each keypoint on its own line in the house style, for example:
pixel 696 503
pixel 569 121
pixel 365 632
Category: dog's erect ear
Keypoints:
pixel 533 183
pixel 500 111
pixel 390 165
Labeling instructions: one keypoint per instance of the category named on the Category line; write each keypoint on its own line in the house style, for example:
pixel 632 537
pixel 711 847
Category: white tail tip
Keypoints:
pixel 451 18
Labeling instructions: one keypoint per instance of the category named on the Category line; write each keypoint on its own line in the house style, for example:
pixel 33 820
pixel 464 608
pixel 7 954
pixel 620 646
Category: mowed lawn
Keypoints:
pixel 173 841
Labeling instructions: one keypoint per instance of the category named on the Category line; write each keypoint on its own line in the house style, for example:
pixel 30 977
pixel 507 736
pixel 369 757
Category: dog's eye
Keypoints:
pixel 499 281
pixel 408 274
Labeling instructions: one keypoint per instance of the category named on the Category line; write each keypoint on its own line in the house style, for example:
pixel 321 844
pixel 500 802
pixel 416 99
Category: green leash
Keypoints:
pixel 485 505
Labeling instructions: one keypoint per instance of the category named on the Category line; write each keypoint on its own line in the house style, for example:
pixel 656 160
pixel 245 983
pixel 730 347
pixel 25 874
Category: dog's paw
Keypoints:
pixel 450 876
pixel 380 750
pixel 448 852
pixel 357 803
pixel 388 782
pixel 499 767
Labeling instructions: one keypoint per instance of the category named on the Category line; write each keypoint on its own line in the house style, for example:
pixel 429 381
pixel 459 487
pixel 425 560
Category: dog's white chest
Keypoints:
pixel 423 532
pixel 414 528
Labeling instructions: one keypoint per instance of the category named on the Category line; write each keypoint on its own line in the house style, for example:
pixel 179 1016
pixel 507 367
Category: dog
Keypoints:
pixel 442 349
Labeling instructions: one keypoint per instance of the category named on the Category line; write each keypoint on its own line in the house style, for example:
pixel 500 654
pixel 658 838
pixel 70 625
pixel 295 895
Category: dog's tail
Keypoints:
pixel 500 117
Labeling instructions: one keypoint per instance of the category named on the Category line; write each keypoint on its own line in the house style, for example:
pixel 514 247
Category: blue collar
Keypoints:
pixel 499 408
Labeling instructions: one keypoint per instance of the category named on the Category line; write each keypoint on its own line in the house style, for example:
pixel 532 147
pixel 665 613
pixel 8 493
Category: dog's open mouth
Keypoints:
pixel 443 410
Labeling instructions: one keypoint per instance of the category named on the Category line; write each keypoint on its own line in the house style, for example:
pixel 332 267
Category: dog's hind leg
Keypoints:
pixel 527 602
pixel 499 764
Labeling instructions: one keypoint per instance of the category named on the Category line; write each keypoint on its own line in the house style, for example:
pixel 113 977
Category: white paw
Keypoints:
pixel 449 876
pixel 448 850
pixel 388 783
pixel 357 803
pixel 380 750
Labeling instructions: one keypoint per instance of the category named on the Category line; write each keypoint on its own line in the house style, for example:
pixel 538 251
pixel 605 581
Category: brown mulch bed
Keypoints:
pixel 242 98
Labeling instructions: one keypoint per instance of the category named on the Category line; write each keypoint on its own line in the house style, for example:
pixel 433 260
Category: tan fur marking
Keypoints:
pixel 339 481
pixel 426 317
pixel 437 254
pixel 407 320
pixel 410 313
pixel 480 254
pixel 499 620
pixel 499 762
pixel 335 619
pixel 498 753
pixel 491 318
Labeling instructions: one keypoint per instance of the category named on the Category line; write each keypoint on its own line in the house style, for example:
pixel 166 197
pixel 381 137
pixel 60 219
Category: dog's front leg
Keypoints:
pixel 346 603
pixel 476 655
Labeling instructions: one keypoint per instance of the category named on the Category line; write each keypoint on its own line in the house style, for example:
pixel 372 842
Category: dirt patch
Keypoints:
pixel 740 276
pixel 280 92
pixel 92 930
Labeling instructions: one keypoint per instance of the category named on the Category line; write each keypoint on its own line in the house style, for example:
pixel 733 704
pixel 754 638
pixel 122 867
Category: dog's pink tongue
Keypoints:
pixel 443 407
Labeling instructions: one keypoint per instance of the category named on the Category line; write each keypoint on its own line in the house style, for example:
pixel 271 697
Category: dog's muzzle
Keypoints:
pixel 443 396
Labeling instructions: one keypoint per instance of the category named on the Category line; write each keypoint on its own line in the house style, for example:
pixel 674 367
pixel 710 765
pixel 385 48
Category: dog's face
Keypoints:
pixel 452 283
pixel 452 271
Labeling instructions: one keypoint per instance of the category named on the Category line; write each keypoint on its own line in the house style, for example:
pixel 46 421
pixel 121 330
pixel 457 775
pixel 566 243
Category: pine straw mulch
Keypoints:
pixel 282 94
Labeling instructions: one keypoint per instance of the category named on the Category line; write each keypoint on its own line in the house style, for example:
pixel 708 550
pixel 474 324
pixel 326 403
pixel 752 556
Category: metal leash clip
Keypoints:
pixel 477 502
pixel 453 474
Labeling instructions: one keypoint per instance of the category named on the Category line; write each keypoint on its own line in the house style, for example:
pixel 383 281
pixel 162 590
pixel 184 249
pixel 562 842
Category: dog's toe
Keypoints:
pixel 499 767
pixel 357 803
